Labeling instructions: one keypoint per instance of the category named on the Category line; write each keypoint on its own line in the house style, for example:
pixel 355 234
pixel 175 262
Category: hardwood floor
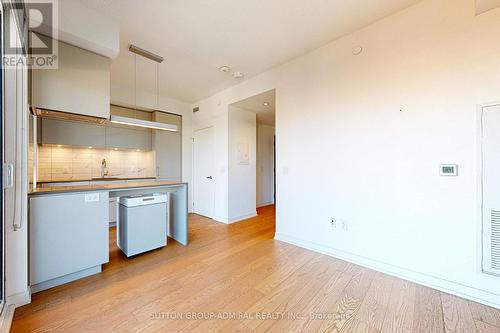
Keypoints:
pixel 241 270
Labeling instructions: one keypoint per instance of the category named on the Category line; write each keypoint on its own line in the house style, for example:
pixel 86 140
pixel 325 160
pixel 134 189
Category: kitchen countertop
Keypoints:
pixel 103 187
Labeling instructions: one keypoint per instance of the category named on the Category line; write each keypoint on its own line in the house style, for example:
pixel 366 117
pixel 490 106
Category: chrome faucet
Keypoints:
pixel 104 168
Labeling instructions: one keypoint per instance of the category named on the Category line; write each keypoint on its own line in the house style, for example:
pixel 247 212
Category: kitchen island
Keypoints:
pixel 69 226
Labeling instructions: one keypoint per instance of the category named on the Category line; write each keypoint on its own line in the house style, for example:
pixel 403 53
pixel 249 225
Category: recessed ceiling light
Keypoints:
pixel 91 147
pixel 357 50
pixel 266 104
pixel 225 69
pixel 238 75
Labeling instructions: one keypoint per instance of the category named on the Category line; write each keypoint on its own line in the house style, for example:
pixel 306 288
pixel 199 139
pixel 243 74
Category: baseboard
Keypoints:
pixel 6 318
pixel 66 278
pixel 450 287
pixel 264 204
pixel 242 217
pixel 19 299
pixel 12 302
pixel 220 219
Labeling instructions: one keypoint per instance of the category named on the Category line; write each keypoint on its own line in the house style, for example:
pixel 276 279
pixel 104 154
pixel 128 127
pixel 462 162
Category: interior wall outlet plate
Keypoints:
pixel 91 197
pixel 448 170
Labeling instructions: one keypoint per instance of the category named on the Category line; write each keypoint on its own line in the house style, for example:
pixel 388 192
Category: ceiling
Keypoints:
pixel 486 5
pixel 196 37
pixel 265 113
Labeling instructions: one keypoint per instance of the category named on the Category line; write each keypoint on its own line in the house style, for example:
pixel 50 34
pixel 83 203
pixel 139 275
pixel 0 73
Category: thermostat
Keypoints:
pixel 448 170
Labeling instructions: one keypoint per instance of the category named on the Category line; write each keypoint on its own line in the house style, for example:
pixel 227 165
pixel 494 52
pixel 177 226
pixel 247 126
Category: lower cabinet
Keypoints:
pixel 69 237
pixel 112 211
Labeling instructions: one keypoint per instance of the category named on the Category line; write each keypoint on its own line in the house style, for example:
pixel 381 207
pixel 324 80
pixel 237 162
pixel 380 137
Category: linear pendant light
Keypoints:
pixel 143 123
pixel 140 122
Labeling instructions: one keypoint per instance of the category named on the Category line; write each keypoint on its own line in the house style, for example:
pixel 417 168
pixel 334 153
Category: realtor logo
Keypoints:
pixel 31 36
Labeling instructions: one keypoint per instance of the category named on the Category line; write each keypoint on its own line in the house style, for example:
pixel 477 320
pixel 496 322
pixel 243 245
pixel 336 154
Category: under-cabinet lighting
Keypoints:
pixel 142 123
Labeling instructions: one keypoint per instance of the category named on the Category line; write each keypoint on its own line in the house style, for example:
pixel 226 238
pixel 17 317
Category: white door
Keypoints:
pixel 204 180
pixel 491 188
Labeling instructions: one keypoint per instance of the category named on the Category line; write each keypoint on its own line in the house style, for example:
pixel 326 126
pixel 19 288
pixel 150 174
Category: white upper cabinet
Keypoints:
pixel 80 85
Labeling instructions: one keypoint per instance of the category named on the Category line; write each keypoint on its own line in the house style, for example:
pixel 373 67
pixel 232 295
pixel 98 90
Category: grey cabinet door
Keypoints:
pixel 168 155
pixel 68 233
pixel 168 147
pixel 59 132
pixel 127 138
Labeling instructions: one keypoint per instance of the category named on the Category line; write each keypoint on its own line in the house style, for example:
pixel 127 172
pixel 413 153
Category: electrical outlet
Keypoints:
pixel 91 197
pixel 345 225
pixel 333 222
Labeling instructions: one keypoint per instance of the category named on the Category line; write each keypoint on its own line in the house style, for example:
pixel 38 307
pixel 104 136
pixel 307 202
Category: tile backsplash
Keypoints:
pixel 77 163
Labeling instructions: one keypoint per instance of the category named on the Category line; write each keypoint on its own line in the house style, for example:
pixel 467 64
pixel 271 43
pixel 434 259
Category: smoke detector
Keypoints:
pixel 225 69
pixel 238 75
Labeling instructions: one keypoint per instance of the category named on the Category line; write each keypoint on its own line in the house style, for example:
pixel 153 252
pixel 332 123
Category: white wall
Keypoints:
pixel 343 141
pixel 265 165
pixel 242 175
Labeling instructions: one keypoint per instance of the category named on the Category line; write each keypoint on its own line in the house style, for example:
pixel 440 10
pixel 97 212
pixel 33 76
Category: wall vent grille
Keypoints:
pixel 495 239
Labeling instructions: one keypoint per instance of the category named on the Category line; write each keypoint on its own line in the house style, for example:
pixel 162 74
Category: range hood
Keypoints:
pixel 60 115
pixel 142 123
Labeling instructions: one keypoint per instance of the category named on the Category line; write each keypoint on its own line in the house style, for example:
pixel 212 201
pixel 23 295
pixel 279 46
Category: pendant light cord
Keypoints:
pixel 157 86
pixel 135 83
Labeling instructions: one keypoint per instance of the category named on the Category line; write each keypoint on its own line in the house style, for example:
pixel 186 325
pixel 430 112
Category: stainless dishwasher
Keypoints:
pixel 142 223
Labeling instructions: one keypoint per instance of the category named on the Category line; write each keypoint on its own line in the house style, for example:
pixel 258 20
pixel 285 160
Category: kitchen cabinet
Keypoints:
pixel 68 133
pixel 62 132
pixel 168 147
pixel 112 211
pixel 80 85
pixel 69 237
pixel 124 137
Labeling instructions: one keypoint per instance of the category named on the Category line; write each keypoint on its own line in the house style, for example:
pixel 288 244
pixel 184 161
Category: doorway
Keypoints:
pixel 203 172
pixel 490 183
pixel 263 106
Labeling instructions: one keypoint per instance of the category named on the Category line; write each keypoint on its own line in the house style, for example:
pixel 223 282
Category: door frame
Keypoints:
pixel 193 171
pixel 2 153
pixel 480 187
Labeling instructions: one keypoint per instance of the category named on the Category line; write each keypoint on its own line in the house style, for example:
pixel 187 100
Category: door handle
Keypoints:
pixel 8 179
pixel 210 177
